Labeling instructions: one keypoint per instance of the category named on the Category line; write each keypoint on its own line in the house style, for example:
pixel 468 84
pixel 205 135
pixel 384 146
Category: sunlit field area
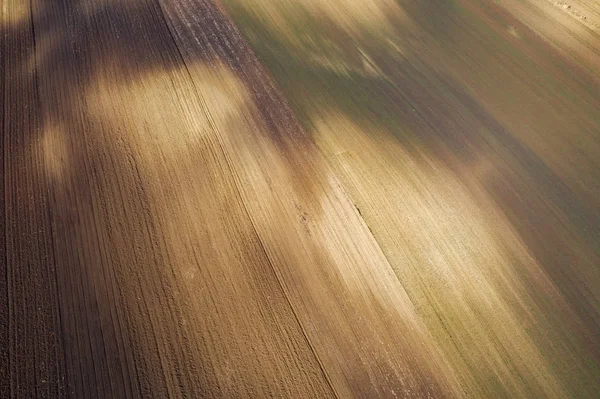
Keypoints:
pixel 300 198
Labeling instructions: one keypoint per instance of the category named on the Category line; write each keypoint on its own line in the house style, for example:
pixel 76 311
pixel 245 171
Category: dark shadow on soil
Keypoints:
pixel 55 54
pixel 414 101
pixel 424 107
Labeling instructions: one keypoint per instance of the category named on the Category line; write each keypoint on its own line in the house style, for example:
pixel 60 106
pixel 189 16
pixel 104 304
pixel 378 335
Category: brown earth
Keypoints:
pixel 173 227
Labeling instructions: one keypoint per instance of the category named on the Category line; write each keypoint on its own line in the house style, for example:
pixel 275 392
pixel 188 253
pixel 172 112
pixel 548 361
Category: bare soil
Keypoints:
pixel 181 184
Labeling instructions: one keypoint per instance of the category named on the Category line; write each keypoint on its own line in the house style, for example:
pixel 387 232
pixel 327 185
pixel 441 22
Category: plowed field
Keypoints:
pixel 267 198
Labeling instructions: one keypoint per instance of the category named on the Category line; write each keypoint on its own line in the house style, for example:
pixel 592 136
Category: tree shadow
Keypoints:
pixel 71 43
pixel 423 107
pixel 93 341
